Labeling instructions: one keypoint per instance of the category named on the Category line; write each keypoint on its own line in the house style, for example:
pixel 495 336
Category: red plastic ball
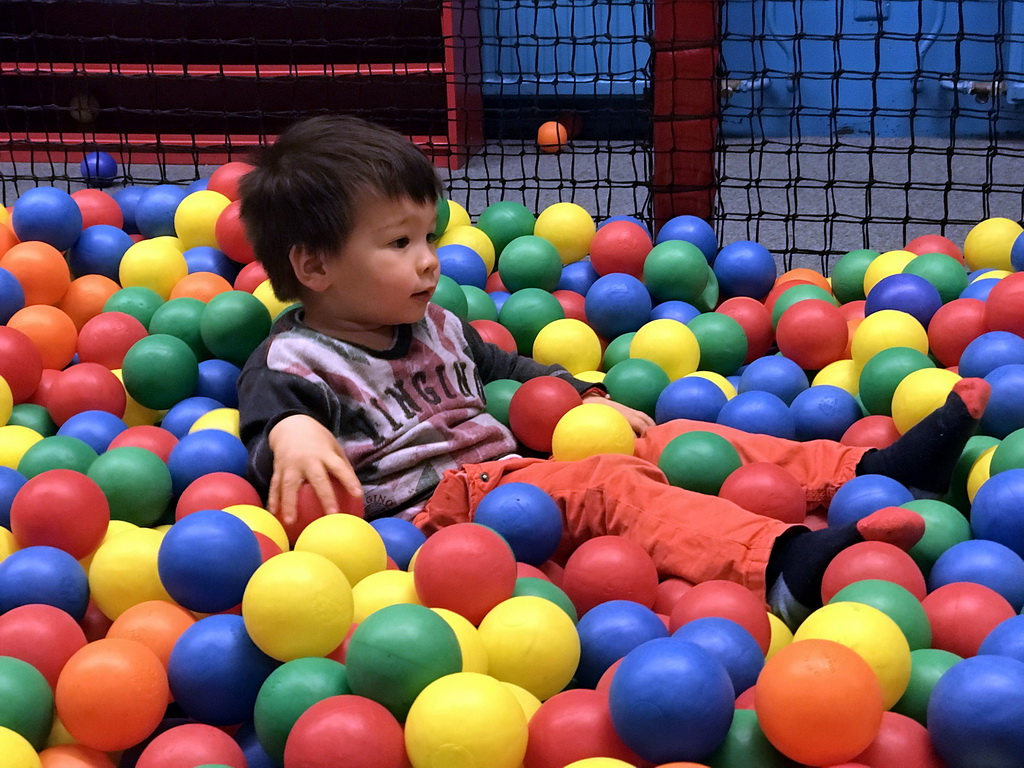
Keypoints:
pixel 573 304
pixel 536 407
pixel 192 744
pixel 60 508
pixel 308 507
pixel 812 333
pixel 587 578
pixel 934 244
pixel 42 635
pixel 95 623
pixel 154 439
pixel 1003 305
pixel 85 387
pixel 669 592
pixel 98 207
pixel 728 600
pixel 620 246
pixel 780 288
pixel 876 431
pixel 872 560
pixel 573 725
pixel 954 326
pixel 225 179
pixel 853 310
pixel 495 333
pixel 231 237
pixel 962 614
pixel 766 489
pixel 21 365
pixel 250 277
pixel 107 337
pixel 901 742
pixel 348 730
pixel 755 320
pixel 494 283
pixel 215 490
pixel 466 568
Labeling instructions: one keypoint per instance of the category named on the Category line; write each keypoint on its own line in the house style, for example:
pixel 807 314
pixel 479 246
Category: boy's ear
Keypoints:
pixel 308 268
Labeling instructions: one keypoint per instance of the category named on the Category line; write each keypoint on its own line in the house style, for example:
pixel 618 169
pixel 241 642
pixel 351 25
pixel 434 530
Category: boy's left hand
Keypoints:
pixel 638 420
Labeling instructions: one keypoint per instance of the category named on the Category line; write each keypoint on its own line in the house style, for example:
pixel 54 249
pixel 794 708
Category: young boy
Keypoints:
pixel 370 384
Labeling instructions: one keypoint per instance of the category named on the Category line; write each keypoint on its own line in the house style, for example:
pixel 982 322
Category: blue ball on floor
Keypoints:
pixel 98 168
pixel 609 631
pixel 691 397
pixel 1005 639
pixel 401 539
pixel 526 517
pixel 730 643
pixel 776 374
pixel 44 575
pixel 989 563
pixel 745 268
pixel 860 496
pixel 692 229
pixel 759 412
pixel 995 512
pixel 824 412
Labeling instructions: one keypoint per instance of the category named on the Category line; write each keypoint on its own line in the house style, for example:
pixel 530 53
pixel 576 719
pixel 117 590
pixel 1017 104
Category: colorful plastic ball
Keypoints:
pixel 228 231
pixel 848 274
pixel 670 344
pixel 156 624
pixel 159 371
pixel 962 614
pixel 690 397
pixel 97 207
pixel 812 333
pixel 86 297
pixel 233 324
pixel 498 395
pixel 745 268
pixel 983 562
pixel 620 246
pixel 904 292
pixel 989 242
pixel 526 312
pixel 127 199
pixel 346 540
pixel 729 643
pixel 530 261
pixel 27 703
pixel 99 251
pixel 479 304
pixel 15 441
pixel 883 374
pixel 526 517
pixel 888 263
pixel 192 744
pixel 680 311
pixel 976 713
pixel 585 582
pixel 896 602
pixel 933 243
pixel 1009 453
pixel 12 295
pixel 178 420
pixel 785 295
pixel 123 571
pixel 74 756
pixel 884 329
pixel 727 600
pixel 766 489
pixel 920 393
pixel 944 272
pixel 722 342
pixel 56 452
pixel 675 270
pixel 574 725
pixel 927 666
pixel 155 209
pixel 536 407
pixel 754 319
pixel 472 237
pixel 33 417
pixel 1005 411
pixel 577 276
pixel 345 730
pixel 759 412
pixel 692 229
pixel 609 631
pixel 979 288
pixel 992 515
pixel 637 383
pixel 208 450
pixel 1006 639
pixel 41 635
pixel 774 374
pixel 590 429
pixel 60 508
pixel 462 264
pixel 98 168
pixel 218 380
pixel 139 302
pixel 699 461
pixel 945 526
pixel 824 412
pixel 401 539
pixel 542 587
pixel 203 258
pixel 40 270
pixel 85 387
pixel 568 227
pixel 617 304
pixel 18 750
pixel 45 575
pixel 180 317
pixel 156 264
pixel 48 215
pixel 901 740
pixel 21 363
pixel 215 490
pixel 504 221
pixel 867 560
pixel 382 589
pixel 864 494
pixel 569 343
pixel 107 337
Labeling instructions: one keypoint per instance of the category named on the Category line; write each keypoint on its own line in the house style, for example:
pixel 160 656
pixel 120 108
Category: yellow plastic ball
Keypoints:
pixel 224 419
pixel 457 216
pixel 471 237
pixel 668 343
pixel 171 240
pixel 114 528
pixel 884 329
pixel 920 393
pixel 18 752
pixel 297 604
pixel 14 441
pixel 474 655
pixel 884 265
pixel 261 521
pixel 989 242
pixel 599 762
pixel 136 414
pixel 569 228
pixel 467 720
pixel 727 387
pixel 992 274
pixel 874 636
pixel 570 343
pixel 781 635
pixel 349 542
pixel 840 373
pixel 531 642
pixel 6 401
pixel 5 215
pixel 59 734
pixel 124 572
pixel 590 429
pixel 8 545
pixel 154 265
pixel 195 218
pixel 527 700
pixel 595 377
pixel 381 589
pixel 980 471
pixel 265 293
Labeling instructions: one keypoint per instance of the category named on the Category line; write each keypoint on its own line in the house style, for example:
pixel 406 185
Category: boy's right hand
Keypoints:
pixel 305 451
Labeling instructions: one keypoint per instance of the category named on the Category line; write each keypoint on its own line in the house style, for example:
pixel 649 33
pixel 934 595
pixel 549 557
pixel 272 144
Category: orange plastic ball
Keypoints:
pixel 200 285
pixel 74 756
pixel 53 333
pixel 156 624
pixel 7 238
pixel 552 136
pixel 41 269
pixel 85 298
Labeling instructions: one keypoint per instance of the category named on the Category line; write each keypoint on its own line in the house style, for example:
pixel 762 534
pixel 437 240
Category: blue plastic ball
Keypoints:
pixel 760 413
pixel 730 643
pixel 255 755
pixel 47 214
pixel 128 200
pixel 154 212
pixel 988 563
pixel 401 539
pixel 979 289
pixel 989 351
pixel 775 374
pixel 1005 410
pixel 577 276
pixel 11 481
pixel 674 309
pixel 976 713
pixel 671 701
pixel 12 295
pixel 99 251
pixel 617 303
pixel 860 496
pixel 94 428
pixel 824 412
pixel 206 258
pixel 1017 254
pixel 198 185
pixel 98 168
pixel 216 671
pixel 609 631
pixel 1005 639
pixel 995 512
pixel 183 414
pixel 526 517
pixel 206 559
pixel 45 575
pixel 218 381
pixel 745 268
pixel 462 264
pixel 691 397
pixel 692 229
pixel 499 298
pixel 202 452
pixel 904 293
pixel 632 219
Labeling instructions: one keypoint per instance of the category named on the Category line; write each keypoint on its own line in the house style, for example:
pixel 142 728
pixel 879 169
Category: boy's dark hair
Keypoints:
pixel 305 188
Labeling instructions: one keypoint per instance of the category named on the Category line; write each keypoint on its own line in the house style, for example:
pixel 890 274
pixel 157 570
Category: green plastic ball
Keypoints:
pixel 57 452
pixel 181 317
pixel 136 482
pixel 848 274
pixel 479 304
pixel 699 461
pixel 884 372
pixel 708 299
pixel 525 312
pixel 450 295
pixel 722 342
pixel 444 214
pixel 504 221
pixel 944 526
pixel 799 292
pixel 33 416
pixel 26 701
pixel 160 371
pixel 232 325
pixel 944 272
pixel 289 691
pixel 530 262
pixel 617 351
pixel 1009 454
pixel 927 665
pixel 957 494
pixel 636 382
pixel 138 301
pixel 746 746
pixel 531 585
pixel 895 601
pixel 498 394
pixel 676 270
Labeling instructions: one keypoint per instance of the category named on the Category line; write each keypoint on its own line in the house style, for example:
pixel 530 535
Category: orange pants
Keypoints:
pixel 690 535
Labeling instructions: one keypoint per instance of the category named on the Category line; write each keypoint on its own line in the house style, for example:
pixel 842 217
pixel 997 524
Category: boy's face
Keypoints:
pixel 386 272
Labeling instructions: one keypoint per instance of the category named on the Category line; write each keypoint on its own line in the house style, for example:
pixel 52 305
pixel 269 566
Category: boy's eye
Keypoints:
pixel 401 242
